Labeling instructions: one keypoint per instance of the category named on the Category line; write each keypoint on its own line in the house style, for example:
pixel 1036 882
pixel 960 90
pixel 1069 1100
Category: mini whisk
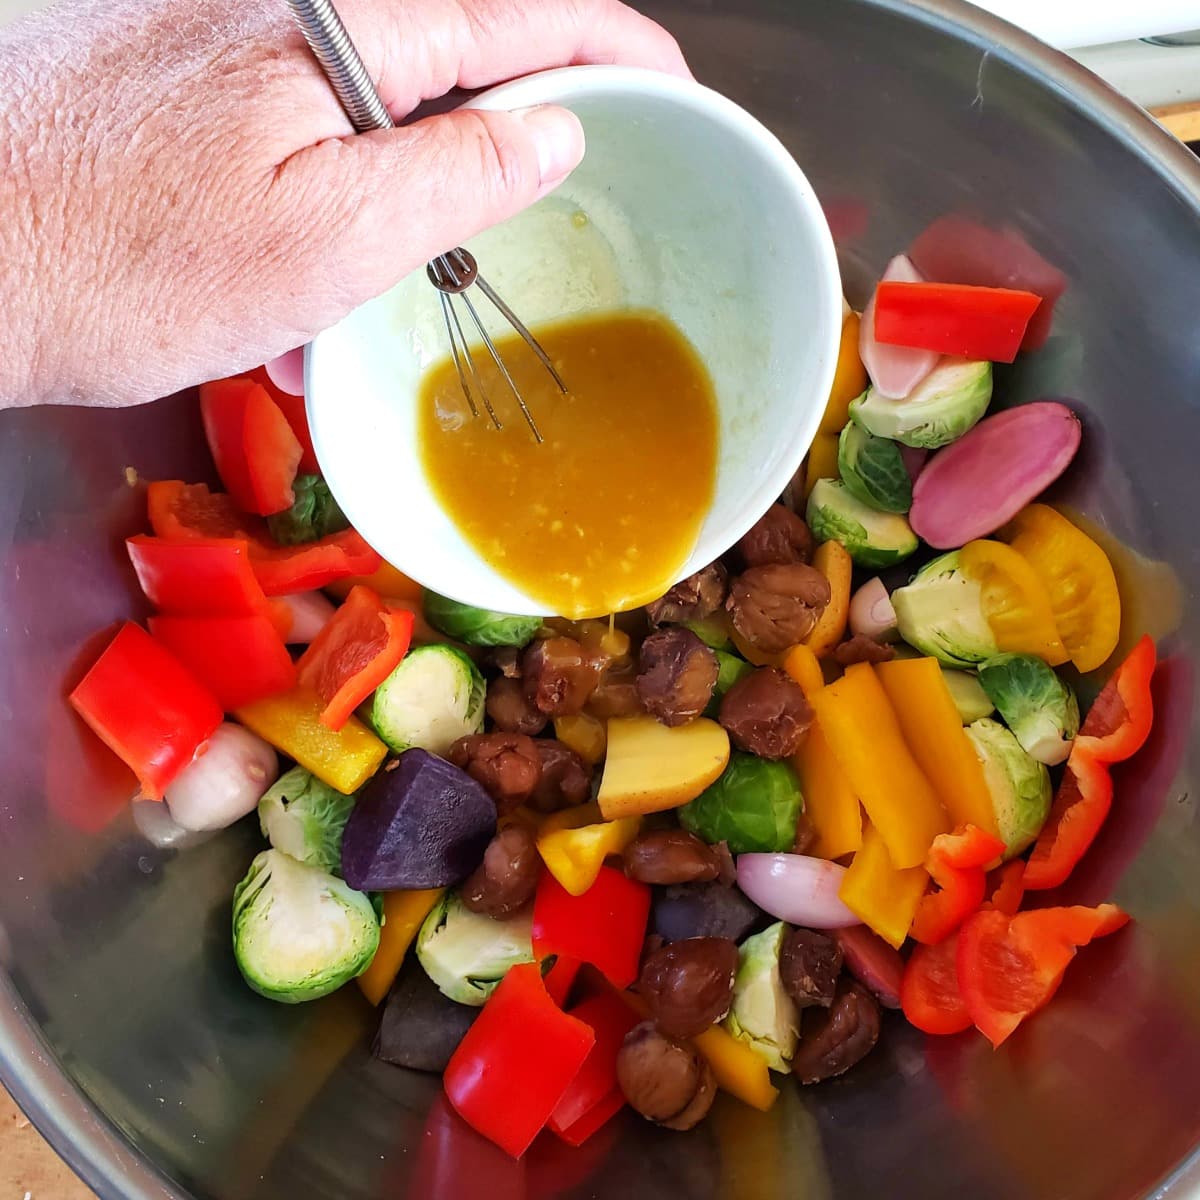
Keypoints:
pixel 451 273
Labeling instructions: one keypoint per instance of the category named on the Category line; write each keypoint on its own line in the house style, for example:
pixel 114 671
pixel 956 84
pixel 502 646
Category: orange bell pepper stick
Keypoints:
pixel 403 914
pixel 883 896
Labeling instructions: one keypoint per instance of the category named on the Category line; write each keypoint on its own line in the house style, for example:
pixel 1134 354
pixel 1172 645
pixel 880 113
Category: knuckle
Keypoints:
pixel 499 153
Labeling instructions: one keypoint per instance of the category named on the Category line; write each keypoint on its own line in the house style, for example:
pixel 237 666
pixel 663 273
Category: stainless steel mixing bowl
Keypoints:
pixel 125 1032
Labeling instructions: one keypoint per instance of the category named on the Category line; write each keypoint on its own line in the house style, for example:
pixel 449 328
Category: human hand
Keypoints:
pixel 190 200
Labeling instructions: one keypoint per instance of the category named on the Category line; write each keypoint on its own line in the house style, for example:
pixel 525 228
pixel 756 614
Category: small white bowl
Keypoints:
pixel 685 204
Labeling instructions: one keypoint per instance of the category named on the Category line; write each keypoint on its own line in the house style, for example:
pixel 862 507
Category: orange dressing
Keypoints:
pixel 601 516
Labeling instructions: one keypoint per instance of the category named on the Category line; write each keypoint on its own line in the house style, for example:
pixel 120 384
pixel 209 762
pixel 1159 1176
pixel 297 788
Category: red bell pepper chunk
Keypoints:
pixel 357 650
pixel 200 577
pixel 561 978
pixel 239 659
pixel 256 452
pixel 283 570
pixel 189 510
pixel 1116 727
pixel 594 1095
pixel 606 926
pixel 956 863
pixel 516 1062
pixel 1009 967
pixel 147 707
pixel 1118 723
pixel 1010 887
pixel 954 318
pixel 293 408
pixel 929 992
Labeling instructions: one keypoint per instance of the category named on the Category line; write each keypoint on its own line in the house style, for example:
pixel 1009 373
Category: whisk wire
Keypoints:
pixel 451 273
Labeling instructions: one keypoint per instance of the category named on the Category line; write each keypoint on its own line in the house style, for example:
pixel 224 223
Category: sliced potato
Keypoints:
pixel 650 767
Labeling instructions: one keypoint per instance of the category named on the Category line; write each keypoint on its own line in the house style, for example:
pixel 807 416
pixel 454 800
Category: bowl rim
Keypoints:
pixel 33 1073
pixel 797 197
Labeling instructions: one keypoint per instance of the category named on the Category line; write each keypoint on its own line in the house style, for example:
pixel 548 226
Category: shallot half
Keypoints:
pixel 796 888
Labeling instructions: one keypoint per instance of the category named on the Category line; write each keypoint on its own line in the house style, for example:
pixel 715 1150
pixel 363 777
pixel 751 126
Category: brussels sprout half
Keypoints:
pixel 872 538
pixel 873 471
pixel 951 399
pixel 1019 785
pixel 941 613
pixel 305 818
pixel 478 626
pixel 298 932
pixel 1039 708
pixel 762 1013
pixel 467 954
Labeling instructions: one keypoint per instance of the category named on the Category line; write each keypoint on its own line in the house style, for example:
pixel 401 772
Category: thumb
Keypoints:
pixel 407 195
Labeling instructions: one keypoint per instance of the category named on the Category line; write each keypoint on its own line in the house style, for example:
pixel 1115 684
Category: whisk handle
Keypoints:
pixel 331 46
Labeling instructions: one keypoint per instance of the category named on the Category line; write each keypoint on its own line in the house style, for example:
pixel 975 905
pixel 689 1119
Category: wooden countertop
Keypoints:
pixel 28 1167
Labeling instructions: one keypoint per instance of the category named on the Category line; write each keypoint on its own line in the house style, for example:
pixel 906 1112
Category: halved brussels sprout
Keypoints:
pixel 1019 785
pixel 951 398
pixel 434 697
pixel 872 538
pixel 299 933
pixel 478 626
pixel 941 613
pixel 467 954
pixel 1039 708
pixel 763 1015
pixel 873 471
pixel 304 818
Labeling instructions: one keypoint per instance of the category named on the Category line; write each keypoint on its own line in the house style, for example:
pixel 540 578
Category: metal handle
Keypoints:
pixel 331 46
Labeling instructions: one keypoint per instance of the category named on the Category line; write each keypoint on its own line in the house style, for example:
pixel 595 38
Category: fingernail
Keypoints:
pixel 558 138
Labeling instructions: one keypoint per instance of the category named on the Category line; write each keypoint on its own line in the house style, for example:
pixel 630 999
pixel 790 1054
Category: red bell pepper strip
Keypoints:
pixel 1009 967
pixel 517 1061
pixel 146 706
pixel 606 926
pixel 594 1095
pixel 283 570
pixel 239 659
pixel 929 992
pixel 200 577
pixel 954 318
pixel 189 510
pixel 1010 887
pixel 256 452
pixel 1116 727
pixel 955 863
pixel 294 410
pixel 357 650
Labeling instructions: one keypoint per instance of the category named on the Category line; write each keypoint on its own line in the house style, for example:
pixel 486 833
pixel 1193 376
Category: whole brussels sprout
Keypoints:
pixel 753 806
pixel 478 626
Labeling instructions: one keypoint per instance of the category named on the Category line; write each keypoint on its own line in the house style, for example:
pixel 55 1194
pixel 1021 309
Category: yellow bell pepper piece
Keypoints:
pixel 822 461
pixel 403 913
pixel 291 722
pixel 1078 578
pixel 1015 602
pixel 737 1068
pixel 800 664
pixel 849 380
pixel 885 898
pixel 389 583
pixel 586 735
pixel 575 842
pixel 830 803
pixel 864 735
pixel 834 562
pixel 933 730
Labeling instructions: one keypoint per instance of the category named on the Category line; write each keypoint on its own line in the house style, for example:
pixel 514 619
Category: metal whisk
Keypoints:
pixel 451 273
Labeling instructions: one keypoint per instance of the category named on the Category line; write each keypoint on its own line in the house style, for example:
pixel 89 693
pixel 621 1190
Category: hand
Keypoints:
pixel 190 200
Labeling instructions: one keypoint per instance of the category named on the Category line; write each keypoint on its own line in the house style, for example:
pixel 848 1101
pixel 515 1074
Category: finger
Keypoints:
pixel 422 49
pixel 393 200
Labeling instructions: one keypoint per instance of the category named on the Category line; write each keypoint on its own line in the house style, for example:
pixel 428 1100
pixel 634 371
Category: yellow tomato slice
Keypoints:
pixel 1015 602
pixel 1078 579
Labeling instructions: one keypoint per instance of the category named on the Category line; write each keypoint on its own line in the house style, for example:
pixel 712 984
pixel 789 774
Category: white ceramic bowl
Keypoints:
pixel 692 208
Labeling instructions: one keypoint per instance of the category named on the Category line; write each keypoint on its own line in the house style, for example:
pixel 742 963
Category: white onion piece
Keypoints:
pixel 224 781
pixel 155 823
pixel 796 888
pixel 894 370
pixel 287 372
pixel 311 612
pixel 872 614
